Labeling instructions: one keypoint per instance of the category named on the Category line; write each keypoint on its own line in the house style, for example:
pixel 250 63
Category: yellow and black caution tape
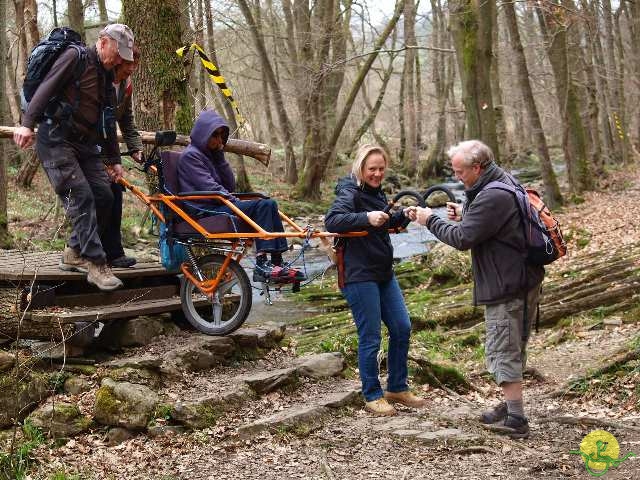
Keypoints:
pixel 616 120
pixel 215 76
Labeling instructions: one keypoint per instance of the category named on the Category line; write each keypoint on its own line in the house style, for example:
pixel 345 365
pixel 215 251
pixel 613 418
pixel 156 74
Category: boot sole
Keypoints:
pixel 381 414
pixel 510 432
pixel 72 268
pixel 105 289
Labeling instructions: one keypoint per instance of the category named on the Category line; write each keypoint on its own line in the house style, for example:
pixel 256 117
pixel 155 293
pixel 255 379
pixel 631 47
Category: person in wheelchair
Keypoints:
pixel 203 167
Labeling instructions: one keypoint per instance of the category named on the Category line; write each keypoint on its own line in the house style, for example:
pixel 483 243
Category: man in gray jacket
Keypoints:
pixel 76 139
pixel 491 226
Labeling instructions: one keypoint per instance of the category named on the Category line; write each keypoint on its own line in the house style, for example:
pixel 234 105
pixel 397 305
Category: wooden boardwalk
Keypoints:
pixel 17 265
pixel 66 297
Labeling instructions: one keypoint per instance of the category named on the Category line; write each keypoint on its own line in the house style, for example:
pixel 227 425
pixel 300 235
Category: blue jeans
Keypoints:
pixel 265 213
pixel 371 302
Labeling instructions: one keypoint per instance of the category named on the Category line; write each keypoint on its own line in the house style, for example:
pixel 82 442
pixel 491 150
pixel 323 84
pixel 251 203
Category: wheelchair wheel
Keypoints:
pixel 231 302
pixel 438 196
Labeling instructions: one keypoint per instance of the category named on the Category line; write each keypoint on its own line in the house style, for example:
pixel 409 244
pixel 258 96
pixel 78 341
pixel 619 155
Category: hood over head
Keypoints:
pixel 207 122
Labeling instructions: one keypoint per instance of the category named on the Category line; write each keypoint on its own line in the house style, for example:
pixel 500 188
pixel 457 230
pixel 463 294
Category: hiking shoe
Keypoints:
pixel 123 262
pixel 102 277
pixel 380 407
pixel 406 398
pixel 71 261
pixel 496 414
pixel 514 426
pixel 269 273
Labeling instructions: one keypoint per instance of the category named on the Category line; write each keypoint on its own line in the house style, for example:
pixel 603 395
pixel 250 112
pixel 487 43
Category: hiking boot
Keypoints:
pixel 380 407
pixel 269 273
pixel 71 261
pixel 496 414
pixel 406 398
pixel 102 277
pixel 514 426
pixel 123 262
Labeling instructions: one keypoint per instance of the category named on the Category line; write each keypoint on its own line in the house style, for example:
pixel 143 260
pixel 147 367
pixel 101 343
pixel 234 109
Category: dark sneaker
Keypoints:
pixel 269 273
pixel 514 426
pixel 123 262
pixel 496 414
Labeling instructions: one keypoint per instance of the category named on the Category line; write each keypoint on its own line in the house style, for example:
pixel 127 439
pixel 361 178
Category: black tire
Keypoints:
pixel 405 193
pixel 234 306
pixel 438 188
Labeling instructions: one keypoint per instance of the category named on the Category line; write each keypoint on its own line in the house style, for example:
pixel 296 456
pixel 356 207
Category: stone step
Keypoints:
pixel 298 416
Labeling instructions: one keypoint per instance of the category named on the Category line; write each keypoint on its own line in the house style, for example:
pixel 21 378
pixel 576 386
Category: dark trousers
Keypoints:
pixel 265 213
pixel 111 237
pixel 78 177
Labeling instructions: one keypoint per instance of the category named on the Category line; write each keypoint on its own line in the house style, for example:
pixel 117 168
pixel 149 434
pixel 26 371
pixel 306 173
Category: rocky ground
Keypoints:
pixel 186 406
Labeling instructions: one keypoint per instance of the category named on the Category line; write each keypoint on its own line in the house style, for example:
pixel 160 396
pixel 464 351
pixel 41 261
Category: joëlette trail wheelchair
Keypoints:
pixel 215 292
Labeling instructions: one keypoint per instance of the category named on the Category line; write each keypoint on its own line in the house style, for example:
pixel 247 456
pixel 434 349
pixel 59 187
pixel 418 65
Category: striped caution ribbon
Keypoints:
pixel 215 76
pixel 616 120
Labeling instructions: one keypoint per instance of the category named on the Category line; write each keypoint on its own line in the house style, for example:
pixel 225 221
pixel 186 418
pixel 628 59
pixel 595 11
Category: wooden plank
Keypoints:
pixel 118 296
pixel 107 312
pixel 24 266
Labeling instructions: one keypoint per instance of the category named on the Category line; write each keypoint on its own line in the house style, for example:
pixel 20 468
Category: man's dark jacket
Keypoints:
pixel 368 258
pixel 492 228
pixel 95 92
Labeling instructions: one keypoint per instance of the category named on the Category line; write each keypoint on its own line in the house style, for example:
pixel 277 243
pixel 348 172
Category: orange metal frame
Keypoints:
pixel 209 286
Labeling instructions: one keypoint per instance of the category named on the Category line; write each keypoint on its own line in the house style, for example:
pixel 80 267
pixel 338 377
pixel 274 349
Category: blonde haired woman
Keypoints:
pixel 370 286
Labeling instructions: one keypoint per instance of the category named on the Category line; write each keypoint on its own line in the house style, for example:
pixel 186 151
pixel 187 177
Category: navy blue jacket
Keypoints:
pixel 368 258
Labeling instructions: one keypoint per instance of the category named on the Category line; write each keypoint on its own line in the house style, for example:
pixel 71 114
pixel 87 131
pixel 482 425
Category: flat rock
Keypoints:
pixel 406 433
pixel 205 412
pixel 322 365
pixel 341 399
pixel 201 353
pixel 448 435
pixel 117 435
pixel 55 351
pixel 140 376
pixel 76 385
pixel 141 361
pixel 265 382
pixel 135 332
pixel 288 419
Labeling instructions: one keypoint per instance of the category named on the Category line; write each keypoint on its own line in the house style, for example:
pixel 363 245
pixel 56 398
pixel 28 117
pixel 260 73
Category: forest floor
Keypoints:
pixel 441 441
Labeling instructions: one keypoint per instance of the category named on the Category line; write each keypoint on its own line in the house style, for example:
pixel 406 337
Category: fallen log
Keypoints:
pixel 259 151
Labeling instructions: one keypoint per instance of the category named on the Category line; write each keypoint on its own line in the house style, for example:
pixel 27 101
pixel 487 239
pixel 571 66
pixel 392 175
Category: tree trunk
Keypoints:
pixel 28 169
pixel 471 25
pixel 410 160
pixel 433 166
pixel 554 27
pixel 161 97
pixel 5 238
pixel 285 124
pixel 553 198
pixel 75 13
pixel 242 178
pixel 31 23
pixel 314 173
pixel 102 10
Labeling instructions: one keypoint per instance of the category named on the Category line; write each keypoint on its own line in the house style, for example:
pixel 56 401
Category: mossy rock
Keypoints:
pixel 60 420
pixel 448 265
pixel 19 396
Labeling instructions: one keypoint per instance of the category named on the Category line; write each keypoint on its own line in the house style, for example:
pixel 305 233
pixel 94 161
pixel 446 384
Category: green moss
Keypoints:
pixel 436 374
pixel 208 415
pixel 470 340
pixel 163 410
pixel 106 401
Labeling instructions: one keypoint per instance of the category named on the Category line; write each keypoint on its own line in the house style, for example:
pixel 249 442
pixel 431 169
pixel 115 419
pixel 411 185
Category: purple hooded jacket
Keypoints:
pixel 201 169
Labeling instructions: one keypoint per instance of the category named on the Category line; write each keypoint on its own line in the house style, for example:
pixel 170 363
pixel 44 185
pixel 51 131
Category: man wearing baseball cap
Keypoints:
pixel 74 108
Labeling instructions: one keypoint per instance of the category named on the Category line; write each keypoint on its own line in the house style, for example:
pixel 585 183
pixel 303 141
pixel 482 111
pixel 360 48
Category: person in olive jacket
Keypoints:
pixel 370 286
pixel 490 224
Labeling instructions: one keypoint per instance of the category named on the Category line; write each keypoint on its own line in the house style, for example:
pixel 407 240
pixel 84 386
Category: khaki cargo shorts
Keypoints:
pixel 505 352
